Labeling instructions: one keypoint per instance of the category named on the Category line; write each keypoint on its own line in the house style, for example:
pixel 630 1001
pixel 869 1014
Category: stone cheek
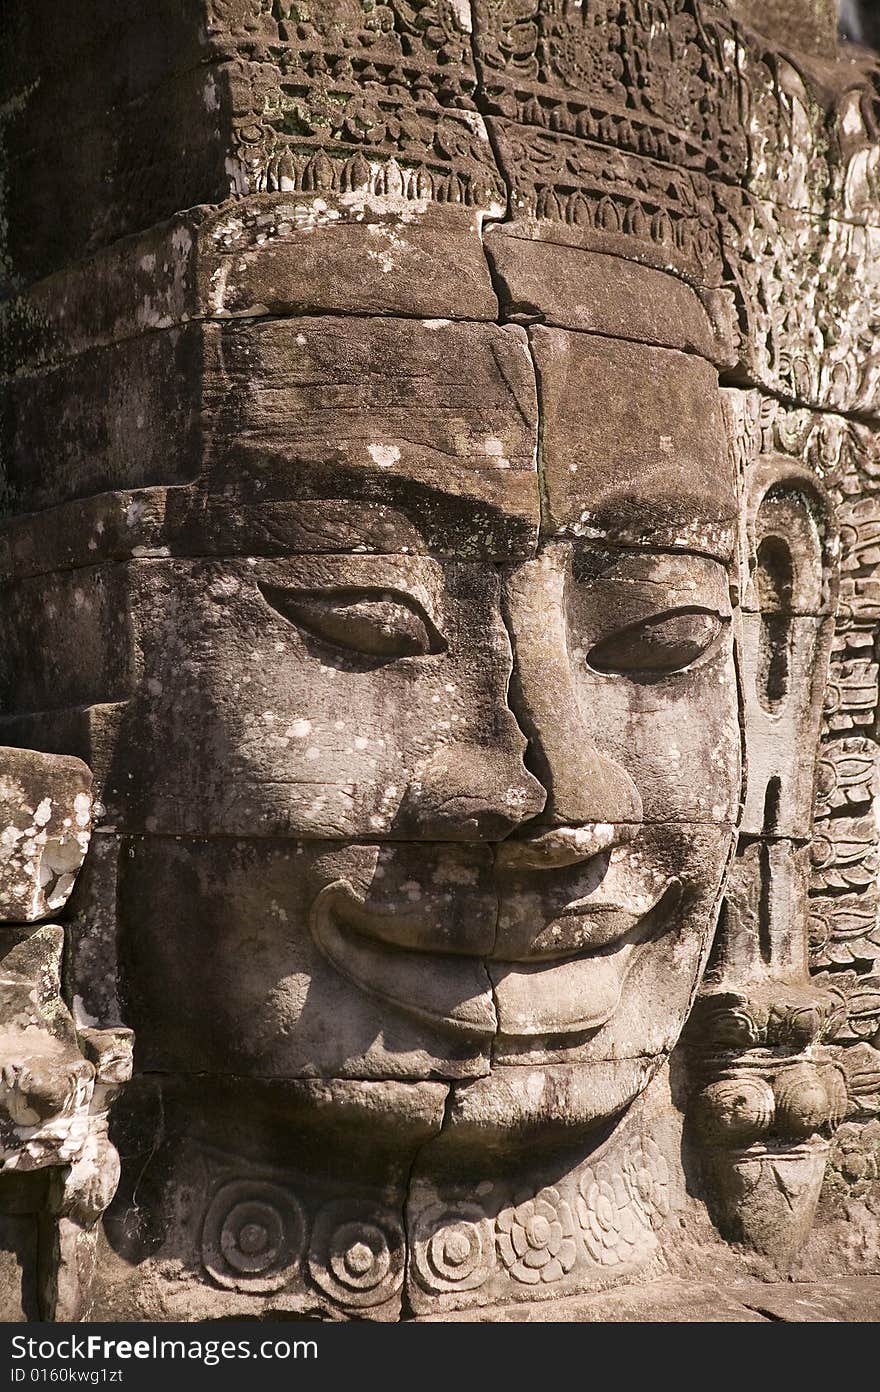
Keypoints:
pixel 270 1000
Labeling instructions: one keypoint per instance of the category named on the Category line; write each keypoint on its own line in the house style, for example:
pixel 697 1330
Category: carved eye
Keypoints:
pixel 659 645
pixel 380 623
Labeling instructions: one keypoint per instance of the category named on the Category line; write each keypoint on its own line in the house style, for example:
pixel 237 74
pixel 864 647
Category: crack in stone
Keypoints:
pixel 731 378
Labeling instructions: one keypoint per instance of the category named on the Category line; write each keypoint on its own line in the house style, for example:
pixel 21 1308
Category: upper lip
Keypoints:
pixel 561 846
pixel 550 901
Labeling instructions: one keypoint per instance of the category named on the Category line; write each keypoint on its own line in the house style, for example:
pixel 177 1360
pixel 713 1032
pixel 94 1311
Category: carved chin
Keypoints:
pixel 485 998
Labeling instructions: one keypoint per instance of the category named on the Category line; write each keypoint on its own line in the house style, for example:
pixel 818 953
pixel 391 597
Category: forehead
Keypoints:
pixel 470 438
pixel 386 434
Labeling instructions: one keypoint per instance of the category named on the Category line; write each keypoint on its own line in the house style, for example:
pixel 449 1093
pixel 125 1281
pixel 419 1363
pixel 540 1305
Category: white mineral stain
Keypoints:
pixel 494 447
pixel 81 1016
pixel 384 258
pixel 386 456
pixel 535 1087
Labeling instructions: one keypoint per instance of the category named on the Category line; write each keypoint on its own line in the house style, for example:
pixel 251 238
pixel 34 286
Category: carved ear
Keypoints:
pixel 789 599
pixel 762 1106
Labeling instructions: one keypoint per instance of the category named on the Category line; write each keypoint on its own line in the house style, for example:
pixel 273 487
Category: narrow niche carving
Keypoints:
pixel 773 583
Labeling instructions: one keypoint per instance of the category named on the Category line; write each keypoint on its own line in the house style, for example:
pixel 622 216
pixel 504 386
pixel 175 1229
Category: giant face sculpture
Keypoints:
pixel 421 793
pixel 454 793
pixel 416 656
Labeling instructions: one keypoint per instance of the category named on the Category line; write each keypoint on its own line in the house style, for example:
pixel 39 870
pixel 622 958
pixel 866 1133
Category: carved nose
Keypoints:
pixel 36 1090
pixel 468 792
pixel 584 787
pixel 48 1092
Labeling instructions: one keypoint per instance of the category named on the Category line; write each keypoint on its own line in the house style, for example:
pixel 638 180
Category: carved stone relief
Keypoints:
pixel 59 1072
pixel 440 478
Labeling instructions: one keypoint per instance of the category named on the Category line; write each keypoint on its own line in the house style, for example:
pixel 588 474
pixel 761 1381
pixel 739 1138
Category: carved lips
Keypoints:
pixel 566 979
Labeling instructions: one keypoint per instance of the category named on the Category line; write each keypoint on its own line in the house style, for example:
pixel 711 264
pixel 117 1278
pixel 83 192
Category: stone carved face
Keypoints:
pixel 450 788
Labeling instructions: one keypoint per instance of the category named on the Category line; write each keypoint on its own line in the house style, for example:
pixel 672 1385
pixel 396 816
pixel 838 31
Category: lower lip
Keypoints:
pixel 553 999
pixel 474 997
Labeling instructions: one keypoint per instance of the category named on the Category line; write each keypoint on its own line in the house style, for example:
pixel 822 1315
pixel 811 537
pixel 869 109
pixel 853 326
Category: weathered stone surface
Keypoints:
pixel 190 107
pixel 299 643
pixel 92 967
pixel 628 995
pixel 46 1081
pixel 389 259
pixel 118 418
pixel 375 409
pixel 92 171
pixel 67 639
pixel 674 1301
pixel 55 1081
pixel 526 1234
pixel 632 444
pixel 571 288
pixel 250 260
pixel 19 1235
pixel 817 23
pixel 480 691
pixel 46 812
pixel 311 999
pixel 856 1300
pixel 402 413
pixel 211 1154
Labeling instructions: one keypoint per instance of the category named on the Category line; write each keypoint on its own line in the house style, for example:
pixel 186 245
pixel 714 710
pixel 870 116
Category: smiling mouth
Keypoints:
pixel 481 997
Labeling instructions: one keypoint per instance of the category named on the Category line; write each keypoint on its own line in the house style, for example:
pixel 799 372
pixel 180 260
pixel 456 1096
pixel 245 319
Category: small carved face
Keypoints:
pixel 456 778
pixel 44 1081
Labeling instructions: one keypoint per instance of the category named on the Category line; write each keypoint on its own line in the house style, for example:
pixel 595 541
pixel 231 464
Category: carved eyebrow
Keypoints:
pixel 345 592
pixel 601 561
